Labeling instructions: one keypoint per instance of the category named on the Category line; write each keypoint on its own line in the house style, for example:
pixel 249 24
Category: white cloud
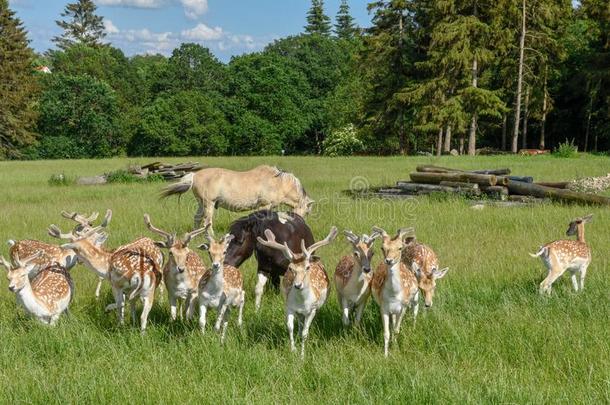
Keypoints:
pixel 110 27
pixel 132 3
pixel 202 32
pixel 193 9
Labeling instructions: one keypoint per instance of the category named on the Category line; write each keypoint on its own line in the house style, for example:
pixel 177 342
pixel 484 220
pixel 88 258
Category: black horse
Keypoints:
pixel 286 226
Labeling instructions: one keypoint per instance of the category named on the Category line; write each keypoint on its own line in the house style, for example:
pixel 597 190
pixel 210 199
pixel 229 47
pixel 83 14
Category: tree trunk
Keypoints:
pixel 525 113
pixel 542 145
pixel 447 144
pixel 591 96
pixel 472 133
pixel 504 128
pixel 402 141
pixel 519 83
pixel 439 142
pixel 461 144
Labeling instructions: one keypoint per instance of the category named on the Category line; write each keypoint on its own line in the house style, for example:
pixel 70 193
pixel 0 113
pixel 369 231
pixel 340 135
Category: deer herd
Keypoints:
pixel 39 272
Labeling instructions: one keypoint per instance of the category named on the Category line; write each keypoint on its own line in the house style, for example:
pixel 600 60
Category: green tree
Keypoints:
pixel 317 21
pixel 82 113
pixel 345 28
pixel 192 66
pixel 81 25
pixel 181 124
pixel 18 85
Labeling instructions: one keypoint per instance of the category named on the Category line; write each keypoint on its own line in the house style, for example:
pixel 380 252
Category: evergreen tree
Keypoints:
pixel 317 21
pixel 82 25
pixel 17 85
pixel 345 28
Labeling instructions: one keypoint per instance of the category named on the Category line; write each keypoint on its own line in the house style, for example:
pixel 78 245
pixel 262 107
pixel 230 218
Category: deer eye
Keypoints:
pixel 356 254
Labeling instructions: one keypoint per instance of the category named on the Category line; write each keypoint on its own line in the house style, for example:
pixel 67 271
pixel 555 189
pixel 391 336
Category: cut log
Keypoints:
pixel 435 169
pixel 535 190
pixel 526 199
pixel 525 179
pixel 558 184
pixel 496 192
pixel 436 178
pixel 417 187
pixel 457 184
pixel 497 172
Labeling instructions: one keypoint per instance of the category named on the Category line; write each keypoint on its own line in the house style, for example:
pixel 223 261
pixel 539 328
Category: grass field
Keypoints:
pixel 490 338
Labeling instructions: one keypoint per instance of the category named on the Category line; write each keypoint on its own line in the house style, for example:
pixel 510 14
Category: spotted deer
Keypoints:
pixel 49 292
pixel 424 263
pixel 85 224
pixel 134 270
pixel 571 255
pixel 220 287
pixel 50 253
pixel 353 276
pixel 182 270
pixel 394 286
pixel 304 286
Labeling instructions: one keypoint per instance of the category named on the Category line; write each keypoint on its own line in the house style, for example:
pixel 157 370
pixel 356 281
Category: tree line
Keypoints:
pixel 428 75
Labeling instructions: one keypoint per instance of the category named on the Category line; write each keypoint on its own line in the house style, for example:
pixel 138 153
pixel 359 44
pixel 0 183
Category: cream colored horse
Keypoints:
pixel 263 187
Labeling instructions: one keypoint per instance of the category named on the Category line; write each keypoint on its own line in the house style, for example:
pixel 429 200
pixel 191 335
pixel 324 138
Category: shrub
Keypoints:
pixel 60 179
pixel 123 176
pixel 566 150
pixel 342 142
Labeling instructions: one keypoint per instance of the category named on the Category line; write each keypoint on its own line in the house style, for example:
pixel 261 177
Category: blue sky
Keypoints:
pixel 227 27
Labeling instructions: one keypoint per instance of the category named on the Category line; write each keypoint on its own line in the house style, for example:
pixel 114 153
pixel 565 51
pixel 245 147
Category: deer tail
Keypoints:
pixel 540 252
pixel 11 242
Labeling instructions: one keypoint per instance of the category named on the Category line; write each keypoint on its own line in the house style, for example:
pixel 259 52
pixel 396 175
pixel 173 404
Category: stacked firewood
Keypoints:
pixel 168 171
pixel 496 184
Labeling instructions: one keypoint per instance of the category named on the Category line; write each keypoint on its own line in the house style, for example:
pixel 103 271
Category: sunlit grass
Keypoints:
pixel 489 337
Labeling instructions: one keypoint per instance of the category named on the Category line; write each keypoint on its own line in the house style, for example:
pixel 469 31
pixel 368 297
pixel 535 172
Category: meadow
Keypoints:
pixel 489 338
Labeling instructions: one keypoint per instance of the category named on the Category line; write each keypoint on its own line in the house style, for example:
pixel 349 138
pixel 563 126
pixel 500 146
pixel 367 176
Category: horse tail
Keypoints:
pixel 180 187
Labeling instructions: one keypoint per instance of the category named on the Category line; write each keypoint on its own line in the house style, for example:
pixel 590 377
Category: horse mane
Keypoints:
pixel 287 176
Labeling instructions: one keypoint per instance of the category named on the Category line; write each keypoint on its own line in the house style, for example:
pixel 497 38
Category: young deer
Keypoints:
pixel 304 286
pixel 353 276
pixel 424 263
pixel 394 286
pixel 182 271
pixel 132 269
pixel 47 295
pixel 85 224
pixel 562 255
pixel 220 287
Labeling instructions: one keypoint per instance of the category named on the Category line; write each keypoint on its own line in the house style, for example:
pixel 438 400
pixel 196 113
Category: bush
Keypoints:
pixel 123 176
pixel 566 150
pixel 343 142
pixel 60 179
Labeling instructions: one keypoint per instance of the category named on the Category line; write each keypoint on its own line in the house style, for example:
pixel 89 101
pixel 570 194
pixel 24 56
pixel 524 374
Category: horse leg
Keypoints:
pixel 261 280
pixel 198 214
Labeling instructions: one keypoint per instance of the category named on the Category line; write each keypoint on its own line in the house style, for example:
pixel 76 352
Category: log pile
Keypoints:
pixel 495 184
pixel 166 170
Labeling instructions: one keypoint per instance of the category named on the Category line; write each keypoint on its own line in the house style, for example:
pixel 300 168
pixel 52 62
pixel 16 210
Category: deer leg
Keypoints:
pixel 399 320
pixel 225 322
pixel 574 281
pixel 148 302
pixel 132 307
pixel 385 318
pixel 221 313
pixel 120 305
pixel 261 280
pixel 202 312
pixel 172 305
pixel 209 214
pixel 98 288
pixel 359 310
pixel 554 274
pixel 241 308
pixel 583 274
pixel 415 305
pixel 290 326
pixel 305 332
pixel 345 309
pixel 188 303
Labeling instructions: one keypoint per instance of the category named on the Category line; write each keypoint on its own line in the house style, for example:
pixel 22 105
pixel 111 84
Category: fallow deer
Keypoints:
pixel 182 270
pixel 133 269
pixel 47 295
pixel 424 263
pixel 304 286
pixel 394 286
pixel 571 255
pixel 220 287
pixel 85 224
pixel 353 276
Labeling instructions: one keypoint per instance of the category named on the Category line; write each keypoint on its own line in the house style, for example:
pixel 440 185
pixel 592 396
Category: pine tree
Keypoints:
pixel 82 26
pixel 17 85
pixel 317 22
pixel 345 28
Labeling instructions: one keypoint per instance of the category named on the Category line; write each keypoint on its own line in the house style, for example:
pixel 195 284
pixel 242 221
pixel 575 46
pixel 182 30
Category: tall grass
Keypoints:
pixel 489 337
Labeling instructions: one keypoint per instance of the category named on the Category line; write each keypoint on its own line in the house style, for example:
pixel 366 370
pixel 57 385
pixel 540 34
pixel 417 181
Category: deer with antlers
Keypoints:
pixel 49 253
pixel 84 225
pixel 567 255
pixel 394 285
pixel 220 287
pixel 134 270
pixel 424 263
pixel 305 284
pixel 49 292
pixel 353 276
pixel 182 271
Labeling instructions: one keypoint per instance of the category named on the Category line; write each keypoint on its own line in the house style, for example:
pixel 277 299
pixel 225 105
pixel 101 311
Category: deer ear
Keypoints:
pixel 229 237
pixel 160 243
pixel 204 246
pixel 416 269
pixel 587 218
pixel 438 274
